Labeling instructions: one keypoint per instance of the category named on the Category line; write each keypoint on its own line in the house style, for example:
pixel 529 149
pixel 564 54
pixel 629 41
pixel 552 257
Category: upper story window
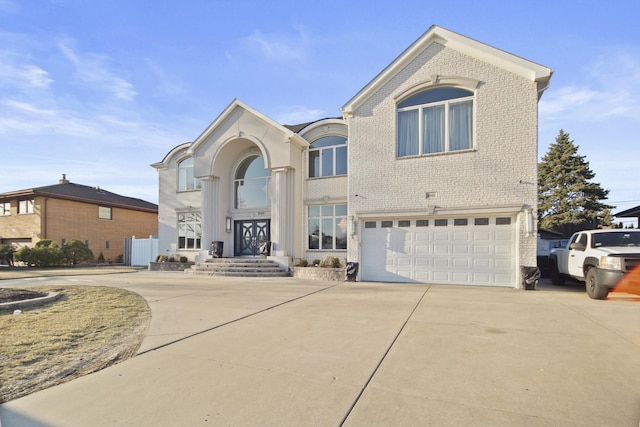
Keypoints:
pixel 25 206
pixel 435 121
pixel 104 212
pixel 5 208
pixel 252 184
pixel 328 157
pixel 186 179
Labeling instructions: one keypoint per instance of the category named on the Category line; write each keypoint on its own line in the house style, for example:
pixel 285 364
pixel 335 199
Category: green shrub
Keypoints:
pixel 316 262
pixel 335 262
pixel 77 252
pixel 45 253
pixel 101 257
pixel 184 259
pixel 303 263
pixel 6 254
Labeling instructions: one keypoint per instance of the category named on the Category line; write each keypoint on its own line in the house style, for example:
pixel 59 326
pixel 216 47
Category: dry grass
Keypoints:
pixel 88 329
pixel 28 272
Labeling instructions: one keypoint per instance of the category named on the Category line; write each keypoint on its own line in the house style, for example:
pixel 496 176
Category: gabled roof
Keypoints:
pixel 629 213
pixel 460 43
pixel 236 104
pixel 83 193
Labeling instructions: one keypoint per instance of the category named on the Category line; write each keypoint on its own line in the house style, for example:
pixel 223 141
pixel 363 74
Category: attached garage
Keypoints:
pixel 464 251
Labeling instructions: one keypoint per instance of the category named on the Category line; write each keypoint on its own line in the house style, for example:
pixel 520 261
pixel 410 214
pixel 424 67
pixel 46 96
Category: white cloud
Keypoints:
pixel 610 88
pixel 281 47
pixel 296 114
pixel 16 72
pixel 93 70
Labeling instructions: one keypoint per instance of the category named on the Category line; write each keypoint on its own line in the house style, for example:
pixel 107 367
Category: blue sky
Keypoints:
pixel 99 90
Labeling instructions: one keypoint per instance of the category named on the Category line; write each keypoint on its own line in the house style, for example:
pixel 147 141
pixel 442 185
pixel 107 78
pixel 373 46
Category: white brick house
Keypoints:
pixel 429 176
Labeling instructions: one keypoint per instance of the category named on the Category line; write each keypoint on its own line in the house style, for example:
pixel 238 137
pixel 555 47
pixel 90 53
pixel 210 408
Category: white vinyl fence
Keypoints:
pixel 140 251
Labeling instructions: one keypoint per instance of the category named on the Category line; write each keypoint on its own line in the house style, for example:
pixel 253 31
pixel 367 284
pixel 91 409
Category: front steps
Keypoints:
pixel 238 267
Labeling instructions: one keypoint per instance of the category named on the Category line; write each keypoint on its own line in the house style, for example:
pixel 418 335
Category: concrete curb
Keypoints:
pixel 34 302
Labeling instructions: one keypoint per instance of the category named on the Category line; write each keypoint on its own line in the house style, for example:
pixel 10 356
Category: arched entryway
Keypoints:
pixel 252 203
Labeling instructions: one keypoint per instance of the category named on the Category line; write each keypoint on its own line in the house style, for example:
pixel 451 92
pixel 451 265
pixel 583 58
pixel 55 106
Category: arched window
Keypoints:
pixel 435 121
pixel 186 179
pixel 252 184
pixel 328 156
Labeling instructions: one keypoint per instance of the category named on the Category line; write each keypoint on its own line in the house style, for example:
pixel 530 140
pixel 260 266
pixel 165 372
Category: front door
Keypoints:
pixel 249 235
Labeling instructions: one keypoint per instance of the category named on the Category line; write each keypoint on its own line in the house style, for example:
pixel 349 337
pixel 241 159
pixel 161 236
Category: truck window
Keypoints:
pixel 621 238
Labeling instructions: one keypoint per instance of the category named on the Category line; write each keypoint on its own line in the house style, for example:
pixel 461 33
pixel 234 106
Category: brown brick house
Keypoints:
pixel 66 211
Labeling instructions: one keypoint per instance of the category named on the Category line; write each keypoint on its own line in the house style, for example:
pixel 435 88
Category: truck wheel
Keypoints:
pixel 595 288
pixel 556 278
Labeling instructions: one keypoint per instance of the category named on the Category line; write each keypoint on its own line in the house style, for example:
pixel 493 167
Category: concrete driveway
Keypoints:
pixel 287 352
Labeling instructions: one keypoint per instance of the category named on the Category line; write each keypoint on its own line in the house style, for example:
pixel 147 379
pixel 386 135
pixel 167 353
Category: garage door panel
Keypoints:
pixel 420 249
pixel 461 249
pixel 482 263
pixel 421 261
pixel 460 236
pixel 503 249
pixel 481 278
pixel 481 254
pixel 460 263
pixel 440 249
pixel 481 249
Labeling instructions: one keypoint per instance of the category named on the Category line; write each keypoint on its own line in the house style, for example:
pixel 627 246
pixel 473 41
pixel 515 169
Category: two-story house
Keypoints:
pixel 430 175
pixel 66 211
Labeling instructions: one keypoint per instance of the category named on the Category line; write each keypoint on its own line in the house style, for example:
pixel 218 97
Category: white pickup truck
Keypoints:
pixel 600 258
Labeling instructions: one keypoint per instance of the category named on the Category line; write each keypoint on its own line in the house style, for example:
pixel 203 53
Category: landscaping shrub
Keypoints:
pixel 335 262
pixel 303 263
pixel 6 254
pixel 44 254
pixel 77 252
pixel 184 259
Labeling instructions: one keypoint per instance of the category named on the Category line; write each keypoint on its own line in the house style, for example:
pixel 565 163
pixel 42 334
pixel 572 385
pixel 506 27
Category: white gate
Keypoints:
pixel 140 251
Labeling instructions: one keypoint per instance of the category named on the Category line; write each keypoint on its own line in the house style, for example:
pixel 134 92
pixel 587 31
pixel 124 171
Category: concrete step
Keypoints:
pixel 238 267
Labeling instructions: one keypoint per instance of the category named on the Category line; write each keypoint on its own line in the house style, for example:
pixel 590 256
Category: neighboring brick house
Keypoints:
pixel 429 176
pixel 67 211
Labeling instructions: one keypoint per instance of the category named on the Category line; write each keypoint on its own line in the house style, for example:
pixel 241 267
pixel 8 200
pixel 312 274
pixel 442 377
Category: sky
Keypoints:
pixel 99 90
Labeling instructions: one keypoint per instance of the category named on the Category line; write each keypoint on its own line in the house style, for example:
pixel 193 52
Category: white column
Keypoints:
pixel 210 193
pixel 281 217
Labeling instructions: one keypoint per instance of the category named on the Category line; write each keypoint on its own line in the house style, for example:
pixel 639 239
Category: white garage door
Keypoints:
pixel 466 251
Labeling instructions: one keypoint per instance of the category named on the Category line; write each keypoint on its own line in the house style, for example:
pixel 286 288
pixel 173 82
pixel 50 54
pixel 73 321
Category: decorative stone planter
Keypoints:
pixel 319 273
pixel 169 266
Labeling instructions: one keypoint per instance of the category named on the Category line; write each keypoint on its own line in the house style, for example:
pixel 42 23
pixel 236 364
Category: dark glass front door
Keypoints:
pixel 248 235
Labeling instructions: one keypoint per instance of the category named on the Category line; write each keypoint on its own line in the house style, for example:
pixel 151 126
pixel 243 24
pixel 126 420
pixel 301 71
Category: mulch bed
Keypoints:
pixel 11 295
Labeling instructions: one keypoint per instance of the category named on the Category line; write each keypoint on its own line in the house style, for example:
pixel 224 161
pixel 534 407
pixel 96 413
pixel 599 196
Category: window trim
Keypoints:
pixel 197 239
pixel 30 206
pixel 334 157
pixel 186 175
pixel 447 103
pixel 336 221
pixel 5 211
pixel 102 210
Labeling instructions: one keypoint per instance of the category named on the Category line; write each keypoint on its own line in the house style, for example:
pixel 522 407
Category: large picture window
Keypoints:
pixel 189 230
pixel 186 178
pixel 327 227
pixel 328 157
pixel 435 121
pixel 252 184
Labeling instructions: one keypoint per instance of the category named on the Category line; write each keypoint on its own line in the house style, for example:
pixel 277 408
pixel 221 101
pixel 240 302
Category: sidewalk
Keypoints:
pixel 288 352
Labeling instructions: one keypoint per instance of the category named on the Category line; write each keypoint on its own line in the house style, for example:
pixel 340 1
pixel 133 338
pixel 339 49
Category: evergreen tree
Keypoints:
pixel 567 200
